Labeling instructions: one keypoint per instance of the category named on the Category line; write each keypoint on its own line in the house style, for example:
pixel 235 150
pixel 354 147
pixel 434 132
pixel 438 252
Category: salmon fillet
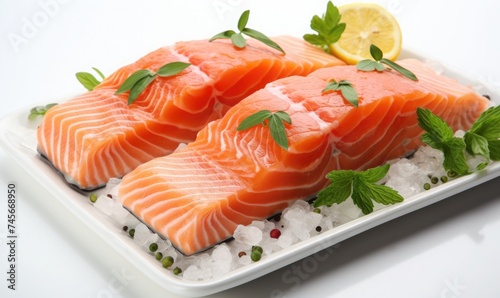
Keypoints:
pixel 197 196
pixel 97 136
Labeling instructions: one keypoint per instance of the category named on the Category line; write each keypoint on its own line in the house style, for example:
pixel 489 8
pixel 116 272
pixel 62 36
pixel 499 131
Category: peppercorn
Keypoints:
pixel 167 261
pixel 153 247
pixel 275 233
pixel 93 197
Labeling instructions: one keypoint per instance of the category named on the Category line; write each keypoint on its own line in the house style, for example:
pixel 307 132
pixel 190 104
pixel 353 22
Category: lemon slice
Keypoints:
pixel 367 24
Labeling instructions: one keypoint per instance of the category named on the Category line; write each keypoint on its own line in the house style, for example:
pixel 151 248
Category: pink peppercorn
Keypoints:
pixel 275 233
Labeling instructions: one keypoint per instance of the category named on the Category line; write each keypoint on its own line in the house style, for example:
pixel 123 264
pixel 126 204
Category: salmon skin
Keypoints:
pixel 198 195
pixel 97 136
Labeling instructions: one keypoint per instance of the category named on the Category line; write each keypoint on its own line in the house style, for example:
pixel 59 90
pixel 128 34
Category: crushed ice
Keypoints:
pixel 298 222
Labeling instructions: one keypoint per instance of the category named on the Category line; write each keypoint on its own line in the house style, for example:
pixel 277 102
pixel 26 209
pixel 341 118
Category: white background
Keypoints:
pixel 450 249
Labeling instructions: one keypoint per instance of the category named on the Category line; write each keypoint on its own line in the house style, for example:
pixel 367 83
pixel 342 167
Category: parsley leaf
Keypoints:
pixel 239 40
pixel 328 28
pixel 275 123
pixel 377 64
pixel 88 80
pixel 347 90
pixel 361 186
pixel 138 81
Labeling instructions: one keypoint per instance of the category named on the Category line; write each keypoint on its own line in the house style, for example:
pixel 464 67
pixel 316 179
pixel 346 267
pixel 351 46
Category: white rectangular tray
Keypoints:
pixel 18 139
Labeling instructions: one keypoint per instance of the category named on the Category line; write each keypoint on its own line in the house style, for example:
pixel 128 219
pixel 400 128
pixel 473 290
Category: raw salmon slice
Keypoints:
pixel 197 196
pixel 97 136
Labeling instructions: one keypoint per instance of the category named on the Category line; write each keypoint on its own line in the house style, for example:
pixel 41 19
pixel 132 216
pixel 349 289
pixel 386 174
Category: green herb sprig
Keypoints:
pixel 88 80
pixel 379 61
pixel 275 123
pixel 39 111
pixel 346 89
pixel 328 27
pixel 484 136
pixel 361 186
pixel 482 139
pixel 239 40
pixel 440 136
pixel 139 80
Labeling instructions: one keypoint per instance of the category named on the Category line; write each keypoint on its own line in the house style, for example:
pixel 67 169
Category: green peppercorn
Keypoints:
pixel 427 186
pixel 444 179
pixel 131 232
pixel 317 210
pixel 167 261
pixel 452 174
pixel 255 256
pixel 434 180
pixel 257 249
pixel 153 247
pixel 93 197
pixel 159 256
pixel 177 270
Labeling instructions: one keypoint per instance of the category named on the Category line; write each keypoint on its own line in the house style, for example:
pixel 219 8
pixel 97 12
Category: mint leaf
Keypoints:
pixel 338 190
pixel 375 174
pixel 278 131
pixel 376 52
pixel 254 119
pixel 262 38
pixel 171 69
pixel 284 116
pixel 494 147
pixel 242 22
pixel 359 191
pixel 39 111
pixel 138 81
pixel 454 157
pixel 328 28
pixel 88 80
pixel 377 55
pixel 483 137
pixel 488 124
pixel 133 79
pixel 369 65
pixel 139 87
pixel 438 131
pixel 98 72
pixel 440 136
pixel 223 35
pixel 239 41
pixel 362 186
pixel 315 39
pixel 346 89
pixel 477 145
pixel 383 194
pixel 410 75
pixel 275 123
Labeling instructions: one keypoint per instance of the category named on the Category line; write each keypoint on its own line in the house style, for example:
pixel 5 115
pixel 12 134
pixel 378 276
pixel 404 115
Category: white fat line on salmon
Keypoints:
pixel 296 106
pixel 195 68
